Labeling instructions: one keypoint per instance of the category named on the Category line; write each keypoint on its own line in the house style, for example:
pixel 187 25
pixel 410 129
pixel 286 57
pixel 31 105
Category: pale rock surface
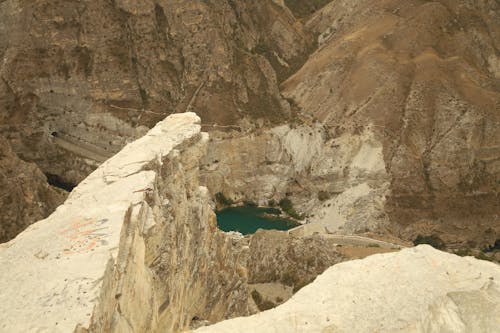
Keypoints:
pixel 355 209
pixel 132 246
pixel 302 144
pixel 415 290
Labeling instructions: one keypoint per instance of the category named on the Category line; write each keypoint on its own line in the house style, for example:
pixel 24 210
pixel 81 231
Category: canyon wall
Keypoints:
pixel 330 178
pixel 80 79
pixel 133 249
pixel 369 115
pixel 397 111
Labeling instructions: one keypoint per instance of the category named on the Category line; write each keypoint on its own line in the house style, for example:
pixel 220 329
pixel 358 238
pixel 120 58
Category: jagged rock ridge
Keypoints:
pixel 133 245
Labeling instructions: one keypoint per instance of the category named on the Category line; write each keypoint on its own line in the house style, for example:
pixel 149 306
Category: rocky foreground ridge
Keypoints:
pixel 135 248
pixel 415 290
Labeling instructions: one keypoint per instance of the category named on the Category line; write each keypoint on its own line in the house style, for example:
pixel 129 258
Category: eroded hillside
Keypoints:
pixel 371 116
pixel 79 79
pixel 425 78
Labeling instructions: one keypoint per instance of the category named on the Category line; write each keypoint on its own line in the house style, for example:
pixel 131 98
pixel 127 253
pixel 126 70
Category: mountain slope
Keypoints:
pixel 424 76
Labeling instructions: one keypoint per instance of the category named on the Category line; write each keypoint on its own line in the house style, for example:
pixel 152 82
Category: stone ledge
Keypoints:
pixel 53 272
pixel 415 290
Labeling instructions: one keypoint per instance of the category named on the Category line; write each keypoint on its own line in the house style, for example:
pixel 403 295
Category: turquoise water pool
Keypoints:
pixel 248 219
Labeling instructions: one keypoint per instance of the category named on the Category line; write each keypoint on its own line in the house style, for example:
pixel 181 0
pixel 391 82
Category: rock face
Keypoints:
pixel 133 249
pixel 275 256
pixel 369 115
pixel 416 290
pixel 80 79
pixel 327 177
pixel 25 196
pixel 393 108
pixel 398 110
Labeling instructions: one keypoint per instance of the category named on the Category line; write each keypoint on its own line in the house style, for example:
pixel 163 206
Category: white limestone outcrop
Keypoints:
pixel 415 290
pixel 133 249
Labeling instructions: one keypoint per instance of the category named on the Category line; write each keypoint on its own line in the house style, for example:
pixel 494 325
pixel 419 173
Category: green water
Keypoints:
pixel 248 219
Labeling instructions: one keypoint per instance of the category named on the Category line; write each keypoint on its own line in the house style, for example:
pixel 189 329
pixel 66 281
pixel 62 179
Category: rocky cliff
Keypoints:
pixel 80 79
pixel 371 117
pixel 133 249
pixel 386 106
pixel 398 109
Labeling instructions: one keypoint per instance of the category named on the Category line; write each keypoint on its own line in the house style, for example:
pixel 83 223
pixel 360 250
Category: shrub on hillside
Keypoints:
pixel 262 304
pixel 287 206
pixel 323 195
pixel 223 200
pixel 433 240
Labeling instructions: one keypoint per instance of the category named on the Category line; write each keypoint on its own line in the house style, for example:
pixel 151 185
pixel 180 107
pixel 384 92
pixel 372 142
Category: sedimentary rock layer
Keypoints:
pixel 96 72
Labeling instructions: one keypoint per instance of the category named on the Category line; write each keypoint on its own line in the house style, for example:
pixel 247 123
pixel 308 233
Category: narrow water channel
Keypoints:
pixel 247 220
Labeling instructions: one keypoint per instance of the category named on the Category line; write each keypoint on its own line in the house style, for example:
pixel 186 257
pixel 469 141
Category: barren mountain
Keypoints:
pixel 94 73
pixel 424 76
pixel 79 79
pixel 371 123
pixel 392 106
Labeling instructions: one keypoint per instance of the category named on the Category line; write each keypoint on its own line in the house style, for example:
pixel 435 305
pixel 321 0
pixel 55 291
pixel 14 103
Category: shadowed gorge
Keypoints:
pixel 56 181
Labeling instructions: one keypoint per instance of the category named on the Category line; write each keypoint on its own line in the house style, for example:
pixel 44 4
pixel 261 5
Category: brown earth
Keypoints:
pixel 25 196
pixel 78 80
pixel 83 68
pixel 425 76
